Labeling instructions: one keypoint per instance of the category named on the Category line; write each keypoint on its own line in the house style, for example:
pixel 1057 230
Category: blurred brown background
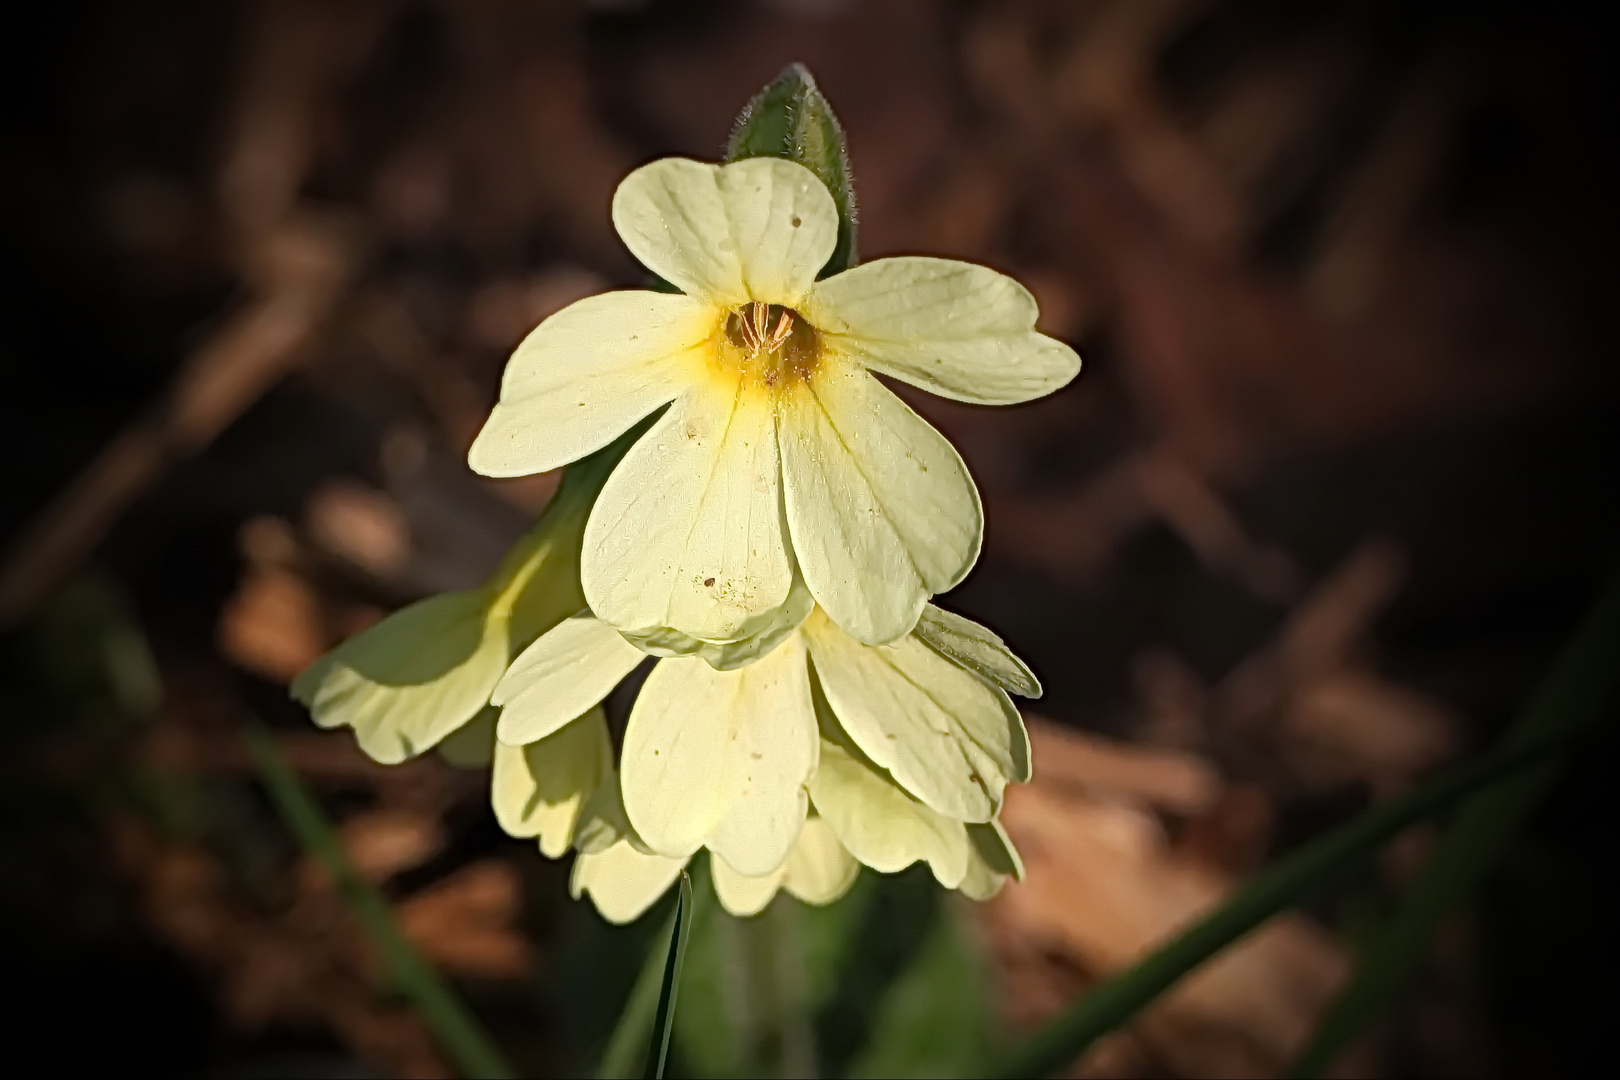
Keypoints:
pixel 1335 483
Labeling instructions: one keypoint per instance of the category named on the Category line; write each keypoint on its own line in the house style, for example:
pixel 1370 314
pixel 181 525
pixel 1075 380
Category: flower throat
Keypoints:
pixel 772 343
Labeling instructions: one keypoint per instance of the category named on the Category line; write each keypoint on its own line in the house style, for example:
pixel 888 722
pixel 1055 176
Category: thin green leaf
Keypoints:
pixel 769 951
pixel 1274 889
pixel 664 1020
pixel 791 119
pixel 627 1044
pixel 1570 700
pixel 458 1032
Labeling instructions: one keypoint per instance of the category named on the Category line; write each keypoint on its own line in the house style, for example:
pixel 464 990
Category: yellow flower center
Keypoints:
pixel 770 344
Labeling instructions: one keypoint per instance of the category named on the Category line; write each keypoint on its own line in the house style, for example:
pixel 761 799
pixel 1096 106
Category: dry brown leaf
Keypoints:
pixel 272 976
pixel 1353 725
pixel 1319 637
pixel 1234 833
pixel 394 1037
pixel 465 922
pixel 381 843
pixel 1175 701
pixel 1103 887
pixel 361 525
pixel 185 901
pixel 1167 780
pixel 272 624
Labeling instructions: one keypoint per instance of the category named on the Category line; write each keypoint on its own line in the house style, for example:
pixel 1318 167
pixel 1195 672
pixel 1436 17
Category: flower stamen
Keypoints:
pixel 758 313
pixel 790 348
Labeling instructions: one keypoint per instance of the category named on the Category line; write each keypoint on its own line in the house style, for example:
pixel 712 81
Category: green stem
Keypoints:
pixel 460 1036
pixel 769 957
pixel 1571 700
pixel 1274 889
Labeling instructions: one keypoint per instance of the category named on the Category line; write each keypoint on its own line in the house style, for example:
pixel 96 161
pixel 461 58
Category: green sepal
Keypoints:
pixel 791 119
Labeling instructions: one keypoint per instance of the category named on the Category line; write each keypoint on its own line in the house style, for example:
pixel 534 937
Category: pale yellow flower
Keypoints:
pixel 624 878
pixel 541 790
pixel 780 457
pixel 905 749
pixel 425 671
pixel 818 870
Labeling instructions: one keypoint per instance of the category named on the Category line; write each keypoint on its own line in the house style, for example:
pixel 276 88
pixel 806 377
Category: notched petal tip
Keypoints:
pixel 948 737
pixel 879 823
pixel 758 229
pixel 741 894
pixel 623 882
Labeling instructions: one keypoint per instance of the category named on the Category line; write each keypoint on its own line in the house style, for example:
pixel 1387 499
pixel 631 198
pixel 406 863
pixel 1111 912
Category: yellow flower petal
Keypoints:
pixel 566 671
pixel 993 861
pixel 687 532
pixel 767 632
pixel 622 881
pixel 674 769
pixel 971 646
pixel 881 509
pixel 772 755
pixel 754 230
pixel 994 847
pixel 980 882
pixel 721 758
pixel 820 869
pixel 946 736
pixel 428 669
pixel 740 894
pixel 540 789
pixel 585 375
pixel 952 328
pixel 407 682
pixel 603 822
pixel 880 824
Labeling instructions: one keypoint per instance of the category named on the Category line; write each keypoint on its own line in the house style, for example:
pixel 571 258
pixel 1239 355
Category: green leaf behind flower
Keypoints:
pixel 791 119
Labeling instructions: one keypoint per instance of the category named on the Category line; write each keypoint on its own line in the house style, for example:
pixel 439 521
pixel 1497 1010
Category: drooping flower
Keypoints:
pixel 541 790
pixel 899 753
pixel 422 673
pixel 624 877
pixel 780 458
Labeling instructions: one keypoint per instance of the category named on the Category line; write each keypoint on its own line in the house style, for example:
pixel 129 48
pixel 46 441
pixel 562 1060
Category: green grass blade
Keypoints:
pixel 629 1038
pixel 459 1034
pixel 1570 700
pixel 664 1020
pixel 1274 889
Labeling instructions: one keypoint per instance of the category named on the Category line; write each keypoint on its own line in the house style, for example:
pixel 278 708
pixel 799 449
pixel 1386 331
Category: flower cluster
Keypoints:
pixel 750 511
